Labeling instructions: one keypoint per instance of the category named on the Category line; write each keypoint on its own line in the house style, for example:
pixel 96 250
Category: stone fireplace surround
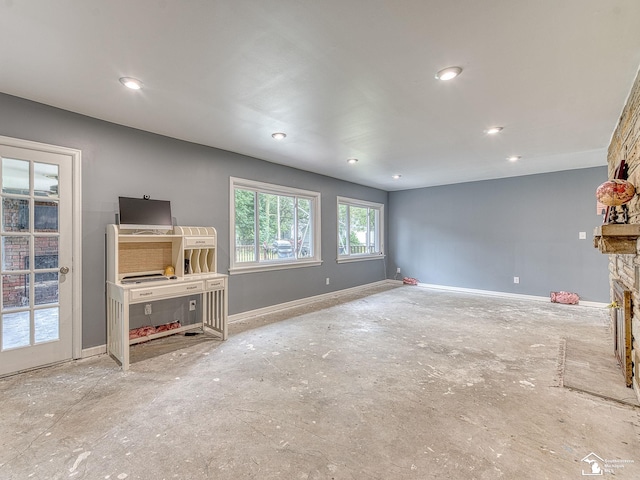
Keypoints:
pixel 620 242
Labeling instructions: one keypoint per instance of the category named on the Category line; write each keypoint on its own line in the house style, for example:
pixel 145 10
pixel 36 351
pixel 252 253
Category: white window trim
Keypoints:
pixel 252 267
pixel 364 257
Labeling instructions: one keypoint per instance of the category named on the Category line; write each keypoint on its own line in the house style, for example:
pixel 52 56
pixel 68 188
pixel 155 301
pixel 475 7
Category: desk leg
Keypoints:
pixel 215 311
pixel 118 331
pixel 125 338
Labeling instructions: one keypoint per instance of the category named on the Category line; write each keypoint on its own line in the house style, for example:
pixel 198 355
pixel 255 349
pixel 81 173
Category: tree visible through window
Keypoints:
pixel 273 224
pixel 360 230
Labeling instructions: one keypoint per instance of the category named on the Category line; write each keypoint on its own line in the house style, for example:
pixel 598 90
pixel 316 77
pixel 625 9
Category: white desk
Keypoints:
pixel 211 287
pixel 192 252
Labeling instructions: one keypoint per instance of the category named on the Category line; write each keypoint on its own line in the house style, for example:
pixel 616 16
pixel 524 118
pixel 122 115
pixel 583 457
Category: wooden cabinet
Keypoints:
pixel 136 263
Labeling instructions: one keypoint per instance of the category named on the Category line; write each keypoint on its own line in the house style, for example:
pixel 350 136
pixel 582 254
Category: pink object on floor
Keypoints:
pixel 567 298
pixel 141 332
pixel 167 326
pixel 410 281
pixel 150 330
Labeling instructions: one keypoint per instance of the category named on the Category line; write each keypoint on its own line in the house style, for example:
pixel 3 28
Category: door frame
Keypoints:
pixel 76 227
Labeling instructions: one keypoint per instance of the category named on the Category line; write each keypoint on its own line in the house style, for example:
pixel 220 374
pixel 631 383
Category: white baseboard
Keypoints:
pixel 585 303
pixel 238 317
pixel 518 296
pixel 91 351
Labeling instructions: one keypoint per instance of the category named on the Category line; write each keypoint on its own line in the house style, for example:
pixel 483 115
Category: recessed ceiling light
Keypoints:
pixel 396 176
pixel 514 158
pixel 448 73
pixel 494 130
pixel 279 135
pixel 352 160
pixel 132 83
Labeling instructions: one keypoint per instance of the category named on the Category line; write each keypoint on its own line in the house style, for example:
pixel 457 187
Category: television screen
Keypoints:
pixel 142 214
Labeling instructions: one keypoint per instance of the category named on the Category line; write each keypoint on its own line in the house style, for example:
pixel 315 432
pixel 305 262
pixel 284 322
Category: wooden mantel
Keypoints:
pixel 617 238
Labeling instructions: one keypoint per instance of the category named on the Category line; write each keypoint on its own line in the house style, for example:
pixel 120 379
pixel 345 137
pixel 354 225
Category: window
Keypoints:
pixel 273 227
pixel 360 230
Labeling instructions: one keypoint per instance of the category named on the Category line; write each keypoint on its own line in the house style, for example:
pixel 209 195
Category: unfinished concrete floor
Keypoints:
pixel 405 383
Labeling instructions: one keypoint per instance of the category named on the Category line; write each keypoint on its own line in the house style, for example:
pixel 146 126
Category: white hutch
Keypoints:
pixel 136 264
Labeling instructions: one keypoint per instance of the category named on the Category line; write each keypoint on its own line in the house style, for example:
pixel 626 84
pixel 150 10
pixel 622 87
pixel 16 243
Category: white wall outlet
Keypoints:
pixel 192 305
pixel 516 279
pixel 147 309
pixel 398 270
pixel 327 280
pixel 582 235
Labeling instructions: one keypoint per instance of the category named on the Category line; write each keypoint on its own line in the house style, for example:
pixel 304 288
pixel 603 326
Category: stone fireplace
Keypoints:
pixel 620 241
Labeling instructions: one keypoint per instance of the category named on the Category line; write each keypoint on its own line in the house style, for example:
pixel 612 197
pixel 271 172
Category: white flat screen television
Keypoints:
pixel 145 214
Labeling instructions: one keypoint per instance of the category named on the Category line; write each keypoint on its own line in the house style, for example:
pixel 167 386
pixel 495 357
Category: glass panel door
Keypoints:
pixel 29 232
pixel 35 302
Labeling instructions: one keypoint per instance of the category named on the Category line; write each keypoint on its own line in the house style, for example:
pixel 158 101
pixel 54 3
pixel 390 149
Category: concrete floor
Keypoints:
pixel 405 383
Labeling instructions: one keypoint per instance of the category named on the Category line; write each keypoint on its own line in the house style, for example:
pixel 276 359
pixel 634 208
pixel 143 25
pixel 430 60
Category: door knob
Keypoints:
pixel 64 270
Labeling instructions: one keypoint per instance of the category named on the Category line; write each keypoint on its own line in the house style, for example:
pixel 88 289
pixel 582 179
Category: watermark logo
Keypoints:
pixel 596 465
pixel 593 465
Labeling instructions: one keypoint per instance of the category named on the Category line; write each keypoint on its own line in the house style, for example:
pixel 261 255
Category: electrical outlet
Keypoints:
pixel 192 305
pixel 516 279
pixel 398 270
pixel 147 309
pixel 582 235
pixel 327 280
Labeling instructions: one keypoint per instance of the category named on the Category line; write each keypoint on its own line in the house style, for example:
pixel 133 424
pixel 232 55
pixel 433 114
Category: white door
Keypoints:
pixel 36 225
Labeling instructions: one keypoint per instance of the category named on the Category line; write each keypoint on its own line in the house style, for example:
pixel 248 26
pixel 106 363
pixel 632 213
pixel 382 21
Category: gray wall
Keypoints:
pixel 482 234
pixel 475 235
pixel 118 160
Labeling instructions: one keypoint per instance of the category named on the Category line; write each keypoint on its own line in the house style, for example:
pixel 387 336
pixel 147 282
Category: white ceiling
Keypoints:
pixel 343 78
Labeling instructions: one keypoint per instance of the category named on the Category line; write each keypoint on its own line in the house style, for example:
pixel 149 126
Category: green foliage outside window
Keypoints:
pixel 360 222
pixel 279 217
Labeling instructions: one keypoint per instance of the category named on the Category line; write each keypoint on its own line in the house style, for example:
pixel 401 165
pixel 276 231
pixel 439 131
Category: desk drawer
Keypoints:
pixel 166 291
pixel 215 284
pixel 199 242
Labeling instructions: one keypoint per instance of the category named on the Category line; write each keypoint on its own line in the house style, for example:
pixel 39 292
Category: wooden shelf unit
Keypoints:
pixel 131 254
